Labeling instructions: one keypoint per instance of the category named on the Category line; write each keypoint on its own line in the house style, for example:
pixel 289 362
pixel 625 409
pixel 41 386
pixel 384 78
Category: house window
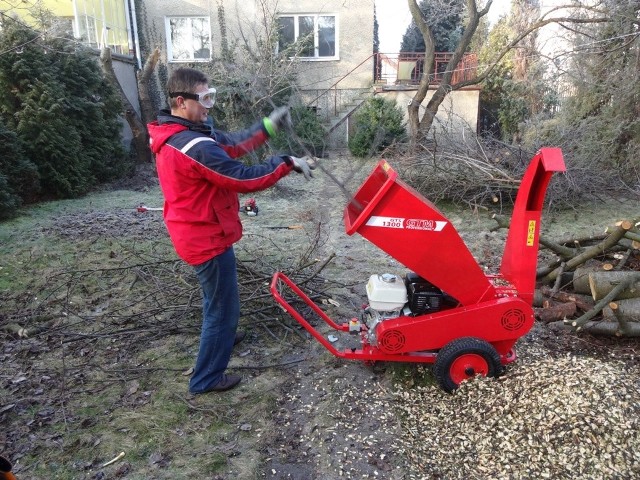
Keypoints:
pixel 87 29
pixel 309 36
pixel 102 23
pixel 188 39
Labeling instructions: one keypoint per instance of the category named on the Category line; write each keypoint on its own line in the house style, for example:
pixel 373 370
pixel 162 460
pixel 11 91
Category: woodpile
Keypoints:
pixel 594 283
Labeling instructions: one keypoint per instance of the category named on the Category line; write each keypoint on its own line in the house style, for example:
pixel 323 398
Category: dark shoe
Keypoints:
pixel 240 336
pixel 227 382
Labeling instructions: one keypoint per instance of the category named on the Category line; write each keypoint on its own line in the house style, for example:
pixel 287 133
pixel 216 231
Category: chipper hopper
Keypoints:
pixel 445 309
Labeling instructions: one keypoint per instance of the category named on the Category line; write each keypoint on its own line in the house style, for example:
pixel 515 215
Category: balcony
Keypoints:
pixel 407 69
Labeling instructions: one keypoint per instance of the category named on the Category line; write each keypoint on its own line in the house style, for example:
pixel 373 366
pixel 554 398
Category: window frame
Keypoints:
pixel 102 24
pixel 316 46
pixel 169 40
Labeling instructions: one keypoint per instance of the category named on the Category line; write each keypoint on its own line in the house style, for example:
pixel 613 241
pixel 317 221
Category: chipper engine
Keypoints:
pixel 444 309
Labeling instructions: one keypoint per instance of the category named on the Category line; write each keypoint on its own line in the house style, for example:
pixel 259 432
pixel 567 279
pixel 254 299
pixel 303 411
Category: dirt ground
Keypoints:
pixel 327 423
pixel 334 418
pixel 346 419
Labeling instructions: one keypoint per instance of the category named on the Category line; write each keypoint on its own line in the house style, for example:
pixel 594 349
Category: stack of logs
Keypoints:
pixel 596 285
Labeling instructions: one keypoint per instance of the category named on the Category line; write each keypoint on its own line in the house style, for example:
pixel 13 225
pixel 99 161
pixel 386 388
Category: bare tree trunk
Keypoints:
pixel 140 134
pixel 419 129
pixel 611 329
pixel 429 58
pixel 601 283
pixel 616 234
pixel 144 76
pixel 580 322
pixel 582 302
pixel 527 51
pixel 623 311
pixel 580 281
pixel 553 313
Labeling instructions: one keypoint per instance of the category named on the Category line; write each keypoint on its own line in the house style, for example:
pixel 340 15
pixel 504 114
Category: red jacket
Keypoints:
pixel 200 181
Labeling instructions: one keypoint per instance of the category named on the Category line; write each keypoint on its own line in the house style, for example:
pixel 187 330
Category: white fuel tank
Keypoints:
pixel 386 292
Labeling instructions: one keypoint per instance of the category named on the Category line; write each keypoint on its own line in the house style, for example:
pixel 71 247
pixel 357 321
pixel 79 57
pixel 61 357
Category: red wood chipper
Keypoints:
pixel 445 310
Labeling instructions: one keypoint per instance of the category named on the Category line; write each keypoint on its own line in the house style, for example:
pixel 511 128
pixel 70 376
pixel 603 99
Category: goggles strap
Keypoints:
pixel 190 96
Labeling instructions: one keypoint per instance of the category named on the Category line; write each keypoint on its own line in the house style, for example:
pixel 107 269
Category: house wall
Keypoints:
pixel 355 45
pixel 96 22
pixel 245 22
pixel 125 71
pixel 331 85
pixel 103 22
pixel 27 9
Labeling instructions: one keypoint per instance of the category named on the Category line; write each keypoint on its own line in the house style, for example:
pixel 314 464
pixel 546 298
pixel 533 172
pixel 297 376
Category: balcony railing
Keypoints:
pixel 392 70
pixel 407 68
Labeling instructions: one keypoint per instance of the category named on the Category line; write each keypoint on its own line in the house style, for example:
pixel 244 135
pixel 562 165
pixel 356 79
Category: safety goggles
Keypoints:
pixel 206 99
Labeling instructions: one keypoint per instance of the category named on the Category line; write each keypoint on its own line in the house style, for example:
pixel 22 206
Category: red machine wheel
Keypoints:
pixel 465 358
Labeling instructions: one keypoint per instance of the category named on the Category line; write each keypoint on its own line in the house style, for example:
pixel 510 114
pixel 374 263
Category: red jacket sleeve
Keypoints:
pixel 240 143
pixel 213 162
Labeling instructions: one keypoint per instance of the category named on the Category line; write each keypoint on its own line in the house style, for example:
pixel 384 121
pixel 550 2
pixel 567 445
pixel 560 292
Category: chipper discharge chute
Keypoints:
pixel 445 309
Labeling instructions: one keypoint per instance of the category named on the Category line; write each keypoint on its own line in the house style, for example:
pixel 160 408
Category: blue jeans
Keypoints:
pixel 220 313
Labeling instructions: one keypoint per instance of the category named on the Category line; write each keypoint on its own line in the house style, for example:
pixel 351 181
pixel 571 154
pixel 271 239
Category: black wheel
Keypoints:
pixel 465 358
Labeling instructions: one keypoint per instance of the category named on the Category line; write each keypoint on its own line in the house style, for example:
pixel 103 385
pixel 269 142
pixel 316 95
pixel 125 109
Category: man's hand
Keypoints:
pixel 280 118
pixel 303 165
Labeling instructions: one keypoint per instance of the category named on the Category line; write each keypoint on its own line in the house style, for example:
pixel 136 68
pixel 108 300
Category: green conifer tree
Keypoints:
pixel 18 177
pixel 54 97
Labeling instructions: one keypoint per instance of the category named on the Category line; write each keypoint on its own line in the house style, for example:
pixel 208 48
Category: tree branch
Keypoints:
pixel 533 27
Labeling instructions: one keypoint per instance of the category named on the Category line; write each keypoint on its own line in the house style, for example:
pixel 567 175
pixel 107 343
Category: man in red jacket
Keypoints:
pixel 200 180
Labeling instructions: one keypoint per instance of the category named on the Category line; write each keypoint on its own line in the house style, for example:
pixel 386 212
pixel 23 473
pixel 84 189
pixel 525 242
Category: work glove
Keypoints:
pixel 303 165
pixel 280 118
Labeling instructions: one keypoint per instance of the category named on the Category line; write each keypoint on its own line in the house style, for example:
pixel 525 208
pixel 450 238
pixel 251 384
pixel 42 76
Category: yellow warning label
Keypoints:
pixel 386 166
pixel 531 233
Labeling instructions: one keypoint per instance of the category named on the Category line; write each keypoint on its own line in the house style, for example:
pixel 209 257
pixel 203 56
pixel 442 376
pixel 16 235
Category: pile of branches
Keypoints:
pixel 486 173
pixel 93 328
pixel 90 317
pixel 163 297
pixel 594 282
pixel 466 172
